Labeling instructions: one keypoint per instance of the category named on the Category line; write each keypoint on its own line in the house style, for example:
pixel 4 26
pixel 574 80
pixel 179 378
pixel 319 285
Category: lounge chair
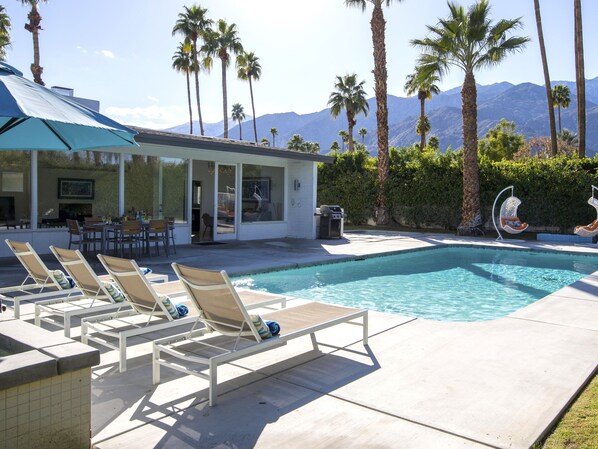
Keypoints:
pixel 590 230
pixel 223 314
pixel 93 296
pixel 39 283
pixel 148 312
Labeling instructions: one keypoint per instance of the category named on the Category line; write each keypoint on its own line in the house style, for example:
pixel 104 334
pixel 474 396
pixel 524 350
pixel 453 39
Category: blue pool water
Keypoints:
pixel 448 283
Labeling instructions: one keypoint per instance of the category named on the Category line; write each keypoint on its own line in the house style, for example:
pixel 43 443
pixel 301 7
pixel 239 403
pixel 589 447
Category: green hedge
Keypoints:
pixel 426 190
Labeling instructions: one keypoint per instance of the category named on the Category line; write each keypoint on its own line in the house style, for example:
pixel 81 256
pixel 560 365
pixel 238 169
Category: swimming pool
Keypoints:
pixel 443 283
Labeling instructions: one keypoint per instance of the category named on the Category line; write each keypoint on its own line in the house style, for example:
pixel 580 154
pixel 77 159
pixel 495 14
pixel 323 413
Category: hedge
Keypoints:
pixel 425 190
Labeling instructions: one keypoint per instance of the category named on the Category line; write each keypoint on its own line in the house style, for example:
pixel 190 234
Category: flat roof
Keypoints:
pixel 152 136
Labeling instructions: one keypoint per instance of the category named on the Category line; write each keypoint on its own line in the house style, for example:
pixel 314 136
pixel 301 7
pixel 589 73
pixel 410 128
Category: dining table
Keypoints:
pixel 105 227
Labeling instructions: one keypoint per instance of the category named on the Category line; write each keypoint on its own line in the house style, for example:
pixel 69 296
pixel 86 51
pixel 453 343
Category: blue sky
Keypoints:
pixel 119 52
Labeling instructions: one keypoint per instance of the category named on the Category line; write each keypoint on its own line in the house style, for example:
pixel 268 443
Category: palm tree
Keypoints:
pixel 351 97
pixel 274 133
pixel 4 33
pixel 419 129
pixel 193 24
pixel 561 97
pixel 424 87
pixel 33 26
pixel 219 43
pixel 182 62
pixel 553 140
pixel 249 68
pixel 470 41
pixel 344 135
pixel 378 25
pixel 580 81
pixel 238 116
pixel 363 132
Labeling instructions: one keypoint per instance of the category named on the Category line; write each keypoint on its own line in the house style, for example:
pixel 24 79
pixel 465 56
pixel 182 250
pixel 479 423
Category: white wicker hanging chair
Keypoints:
pixel 590 230
pixel 508 220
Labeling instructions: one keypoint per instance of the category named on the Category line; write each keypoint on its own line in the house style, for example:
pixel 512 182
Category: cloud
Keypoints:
pixel 154 116
pixel 107 53
pixel 81 49
pixel 153 99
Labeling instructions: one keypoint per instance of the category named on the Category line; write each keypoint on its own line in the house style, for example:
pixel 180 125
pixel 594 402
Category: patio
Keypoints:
pixel 421 384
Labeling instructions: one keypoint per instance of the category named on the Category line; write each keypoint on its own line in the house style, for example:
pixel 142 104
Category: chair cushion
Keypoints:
pixel 63 280
pixel 170 307
pixel 114 291
pixel 261 327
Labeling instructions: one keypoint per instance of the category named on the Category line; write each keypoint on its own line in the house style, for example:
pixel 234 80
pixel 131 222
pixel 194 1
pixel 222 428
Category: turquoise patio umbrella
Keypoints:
pixel 35 118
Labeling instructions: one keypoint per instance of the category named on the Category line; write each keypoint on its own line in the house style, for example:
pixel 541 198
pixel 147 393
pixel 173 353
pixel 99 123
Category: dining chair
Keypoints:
pixel 171 233
pixel 157 232
pixel 129 233
pixel 80 236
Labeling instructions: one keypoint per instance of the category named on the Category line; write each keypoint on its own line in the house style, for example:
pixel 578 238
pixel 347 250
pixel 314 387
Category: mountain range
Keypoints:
pixel 524 104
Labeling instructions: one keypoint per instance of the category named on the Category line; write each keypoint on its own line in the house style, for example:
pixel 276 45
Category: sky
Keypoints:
pixel 120 52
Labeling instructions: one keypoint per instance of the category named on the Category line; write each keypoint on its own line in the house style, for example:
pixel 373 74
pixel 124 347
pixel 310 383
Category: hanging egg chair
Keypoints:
pixel 508 220
pixel 590 230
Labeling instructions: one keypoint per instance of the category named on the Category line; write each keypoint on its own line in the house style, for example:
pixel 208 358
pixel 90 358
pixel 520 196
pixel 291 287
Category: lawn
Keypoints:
pixel 578 429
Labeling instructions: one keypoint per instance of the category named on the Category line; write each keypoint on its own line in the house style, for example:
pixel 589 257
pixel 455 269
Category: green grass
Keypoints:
pixel 578 429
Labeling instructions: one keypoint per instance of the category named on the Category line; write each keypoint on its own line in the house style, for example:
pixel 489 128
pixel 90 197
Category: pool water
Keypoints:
pixel 447 283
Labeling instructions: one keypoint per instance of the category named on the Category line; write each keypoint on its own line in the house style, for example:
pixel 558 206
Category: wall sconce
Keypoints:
pixel 296 185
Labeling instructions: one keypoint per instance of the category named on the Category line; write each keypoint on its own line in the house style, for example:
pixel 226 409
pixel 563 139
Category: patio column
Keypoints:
pixel 121 184
pixel 189 206
pixel 33 218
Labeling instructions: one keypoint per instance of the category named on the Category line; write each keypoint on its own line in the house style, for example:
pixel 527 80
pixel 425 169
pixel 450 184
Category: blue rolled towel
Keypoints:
pixel 274 327
pixel 145 270
pixel 71 281
pixel 182 309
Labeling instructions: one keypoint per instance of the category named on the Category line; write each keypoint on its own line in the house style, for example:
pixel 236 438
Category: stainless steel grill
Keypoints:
pixel 331 221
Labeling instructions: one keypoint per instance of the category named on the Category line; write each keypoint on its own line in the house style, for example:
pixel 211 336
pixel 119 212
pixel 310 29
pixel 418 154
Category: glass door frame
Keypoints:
pixel 233 235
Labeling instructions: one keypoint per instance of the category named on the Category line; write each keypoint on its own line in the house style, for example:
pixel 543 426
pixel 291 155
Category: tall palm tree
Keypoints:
pixel 249 68
pixel 4 33
pixel 470 41
pixel 33 26
pixel 378 25
pixel 561 97
pixel 424 87
pixel 193 24
pixel 363 132
pixel 238 116
pixel 274 133
pixel 344 135
pixel 350 96
pixel 580 81
pixel 182 62
pixel 419 129
pixel 221 42
pixel 553 140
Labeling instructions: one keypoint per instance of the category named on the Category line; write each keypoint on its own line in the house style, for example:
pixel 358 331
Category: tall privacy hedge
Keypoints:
pixel 426 190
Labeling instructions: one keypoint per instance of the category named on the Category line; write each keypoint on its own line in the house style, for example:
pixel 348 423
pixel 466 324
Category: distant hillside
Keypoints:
pixel 525 104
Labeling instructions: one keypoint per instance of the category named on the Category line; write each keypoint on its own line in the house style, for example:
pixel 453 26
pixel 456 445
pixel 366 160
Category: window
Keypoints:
pixel 15 195
pixel 262 193
pixel 156 186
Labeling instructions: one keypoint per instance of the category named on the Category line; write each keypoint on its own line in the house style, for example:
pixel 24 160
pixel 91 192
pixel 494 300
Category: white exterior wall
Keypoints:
pixel 301 203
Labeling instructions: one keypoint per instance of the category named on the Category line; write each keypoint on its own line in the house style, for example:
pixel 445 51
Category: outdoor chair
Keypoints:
pixel 80 236
pixel 223 314
pixel 95 292
pixel 40 282
pixel 590 230
pixel 151 309
pixel 157 232
pixel 508 220
pixel 171 242
pixel 130 233
pixel 208 222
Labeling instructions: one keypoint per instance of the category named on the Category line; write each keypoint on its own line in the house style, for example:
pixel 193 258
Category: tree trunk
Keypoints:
pixel 471 217
pixel 350 125
pixel 196 72
pixel 253 109
pixel 553 141
pixel 240 131
pixel 190 106
pixel 580 81
pixel 34 26
pixel 273 140
pixel 560 126
pixel 422 118
pixel 378 25
pixel 224 99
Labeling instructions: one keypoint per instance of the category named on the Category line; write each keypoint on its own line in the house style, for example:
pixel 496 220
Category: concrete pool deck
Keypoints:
pixel 420 384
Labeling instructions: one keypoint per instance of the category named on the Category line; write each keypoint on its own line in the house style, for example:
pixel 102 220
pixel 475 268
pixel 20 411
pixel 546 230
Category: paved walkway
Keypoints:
pixel 420 384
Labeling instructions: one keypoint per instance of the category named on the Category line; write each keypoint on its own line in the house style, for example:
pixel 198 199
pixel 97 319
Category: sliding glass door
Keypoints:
pixel 226 202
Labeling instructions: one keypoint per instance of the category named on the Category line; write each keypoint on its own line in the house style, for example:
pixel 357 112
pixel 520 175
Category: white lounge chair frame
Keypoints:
pixel 38 278
pixel 94 298
pixel 508 210
pixel 95 328
pixel 246 331
pixel 585 231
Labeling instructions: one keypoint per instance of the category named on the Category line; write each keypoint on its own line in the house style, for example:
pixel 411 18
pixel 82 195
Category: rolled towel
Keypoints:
pixel 145 270
pixel 182 309
pixel 274 327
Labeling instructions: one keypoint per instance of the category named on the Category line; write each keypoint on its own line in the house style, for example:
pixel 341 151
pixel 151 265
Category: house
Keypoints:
pixel 216 189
